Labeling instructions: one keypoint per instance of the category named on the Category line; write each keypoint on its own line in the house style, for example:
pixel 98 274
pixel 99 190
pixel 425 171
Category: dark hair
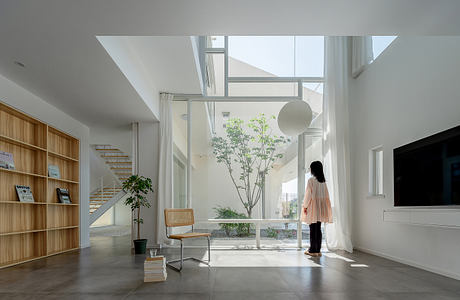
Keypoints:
pixel 316 169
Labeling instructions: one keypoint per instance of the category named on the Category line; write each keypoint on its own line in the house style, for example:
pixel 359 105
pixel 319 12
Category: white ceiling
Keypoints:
pixel 68 67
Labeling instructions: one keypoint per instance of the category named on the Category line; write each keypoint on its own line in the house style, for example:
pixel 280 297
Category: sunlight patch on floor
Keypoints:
pixel 336 256
pixel 263 258
pixel 359 266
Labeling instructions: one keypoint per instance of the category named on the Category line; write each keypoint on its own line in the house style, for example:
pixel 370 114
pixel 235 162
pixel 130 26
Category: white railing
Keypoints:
pixel 102 187
pixel 257 223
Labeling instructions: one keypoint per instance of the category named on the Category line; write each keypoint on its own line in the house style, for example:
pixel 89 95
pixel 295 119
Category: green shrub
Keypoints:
pixel 272 232
pixel 242 229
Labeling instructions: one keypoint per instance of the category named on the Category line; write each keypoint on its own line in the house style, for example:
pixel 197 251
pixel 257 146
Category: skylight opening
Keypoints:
pixel 380 43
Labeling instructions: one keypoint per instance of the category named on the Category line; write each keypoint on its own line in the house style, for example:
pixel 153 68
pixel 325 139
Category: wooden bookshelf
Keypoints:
pixel 29 231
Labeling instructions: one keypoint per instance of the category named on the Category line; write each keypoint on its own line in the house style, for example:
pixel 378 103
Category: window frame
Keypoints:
pixel 206 48
pixel 376 172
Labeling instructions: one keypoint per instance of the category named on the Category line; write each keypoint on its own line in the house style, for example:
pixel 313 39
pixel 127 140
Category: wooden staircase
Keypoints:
pixel 121 165
pixel 98 198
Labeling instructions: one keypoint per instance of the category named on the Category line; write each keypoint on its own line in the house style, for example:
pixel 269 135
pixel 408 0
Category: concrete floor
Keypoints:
pixel 107 270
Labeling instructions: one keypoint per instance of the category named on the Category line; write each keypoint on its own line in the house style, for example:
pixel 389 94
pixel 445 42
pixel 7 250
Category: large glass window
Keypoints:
pixel 242 166
pixel 276 56
pixel 309 56
pixel 179 182
pixel 179 154
pixel 261 56
pixel 258 181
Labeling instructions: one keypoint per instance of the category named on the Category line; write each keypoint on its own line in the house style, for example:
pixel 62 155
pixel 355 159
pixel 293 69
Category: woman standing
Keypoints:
pixel 316 207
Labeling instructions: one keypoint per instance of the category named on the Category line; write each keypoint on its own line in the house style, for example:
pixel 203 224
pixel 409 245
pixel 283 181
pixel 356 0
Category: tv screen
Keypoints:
pixel 427 172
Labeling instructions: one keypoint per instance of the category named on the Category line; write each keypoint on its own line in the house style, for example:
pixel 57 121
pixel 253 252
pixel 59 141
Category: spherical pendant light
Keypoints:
pixel 294 117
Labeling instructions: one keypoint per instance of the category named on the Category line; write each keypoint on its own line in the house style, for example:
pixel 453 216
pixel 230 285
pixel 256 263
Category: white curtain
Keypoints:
pixel 335 142
pixel 165 178
pixel 362 54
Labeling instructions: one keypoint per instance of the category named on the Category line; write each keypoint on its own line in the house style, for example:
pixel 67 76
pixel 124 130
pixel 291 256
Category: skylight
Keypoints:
pixel 380 43
pixel 280 56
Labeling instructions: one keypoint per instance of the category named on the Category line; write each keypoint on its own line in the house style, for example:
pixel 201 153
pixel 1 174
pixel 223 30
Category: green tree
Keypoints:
pixel 252 149
pixel 138 187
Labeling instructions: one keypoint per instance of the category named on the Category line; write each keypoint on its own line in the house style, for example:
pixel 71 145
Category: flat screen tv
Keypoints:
pixel 427 172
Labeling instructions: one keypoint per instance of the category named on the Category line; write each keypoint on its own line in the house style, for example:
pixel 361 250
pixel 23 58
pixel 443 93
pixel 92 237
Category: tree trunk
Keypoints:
pixel 138 223
pixel 249 225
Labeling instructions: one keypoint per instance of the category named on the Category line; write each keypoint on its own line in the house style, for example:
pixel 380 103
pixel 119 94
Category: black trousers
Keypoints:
pixel 315 237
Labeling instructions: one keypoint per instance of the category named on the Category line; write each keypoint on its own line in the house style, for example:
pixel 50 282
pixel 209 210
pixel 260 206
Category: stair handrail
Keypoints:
pixel 114 185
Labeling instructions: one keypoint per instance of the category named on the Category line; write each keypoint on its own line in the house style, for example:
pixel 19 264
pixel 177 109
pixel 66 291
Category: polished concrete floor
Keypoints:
pixel 107 270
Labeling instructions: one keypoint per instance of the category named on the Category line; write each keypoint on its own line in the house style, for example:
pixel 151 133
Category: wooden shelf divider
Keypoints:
pixel 34 230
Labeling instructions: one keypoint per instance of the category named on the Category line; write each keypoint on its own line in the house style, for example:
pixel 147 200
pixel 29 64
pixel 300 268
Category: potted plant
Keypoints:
pixel 138 188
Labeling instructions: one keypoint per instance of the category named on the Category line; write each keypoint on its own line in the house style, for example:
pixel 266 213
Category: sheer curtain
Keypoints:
pixel 335 142
pixel 361 55
pixel 165 178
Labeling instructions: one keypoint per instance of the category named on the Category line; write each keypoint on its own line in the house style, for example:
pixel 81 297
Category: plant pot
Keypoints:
pixel 140 246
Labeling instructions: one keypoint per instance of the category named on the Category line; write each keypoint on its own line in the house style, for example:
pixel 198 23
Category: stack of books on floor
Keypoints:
pixel 155 269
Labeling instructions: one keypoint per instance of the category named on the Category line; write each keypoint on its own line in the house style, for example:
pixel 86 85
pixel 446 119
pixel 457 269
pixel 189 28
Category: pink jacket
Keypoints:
pixel 317 203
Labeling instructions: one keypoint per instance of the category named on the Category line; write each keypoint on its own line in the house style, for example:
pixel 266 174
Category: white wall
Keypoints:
pixel 149 137
pixel 98 169
pixel 122 214
pixel 27 102
pixel 119 137
pixel 106 219
pixel 411 91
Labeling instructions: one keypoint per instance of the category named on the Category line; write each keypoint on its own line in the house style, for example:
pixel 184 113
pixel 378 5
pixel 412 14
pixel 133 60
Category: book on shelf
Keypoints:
pixel 6 160
pixel 53 172
pixel 155 269
pixel 24 193
pixel 63 195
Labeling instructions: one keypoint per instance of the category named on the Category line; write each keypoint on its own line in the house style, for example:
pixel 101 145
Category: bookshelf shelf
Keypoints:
pixel 22 173
pixel 19 202
pixel 22 232
pixel 63 180
pixel 34 230
pixel 64 204
pixel 19 261
pixel 62 228
pixel 20 143
pixel 63 251
pixel 54 154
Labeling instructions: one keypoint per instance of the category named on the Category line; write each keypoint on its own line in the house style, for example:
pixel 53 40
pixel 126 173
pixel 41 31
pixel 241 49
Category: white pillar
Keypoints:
pixel 189 153
pixel 300 185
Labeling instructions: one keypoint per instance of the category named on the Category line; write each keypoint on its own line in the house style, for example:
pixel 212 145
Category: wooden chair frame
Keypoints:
pixel 191 223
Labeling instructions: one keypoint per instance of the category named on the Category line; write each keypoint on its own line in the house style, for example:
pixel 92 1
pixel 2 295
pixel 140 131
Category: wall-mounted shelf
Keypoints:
pixel 435 217
pixel 33 230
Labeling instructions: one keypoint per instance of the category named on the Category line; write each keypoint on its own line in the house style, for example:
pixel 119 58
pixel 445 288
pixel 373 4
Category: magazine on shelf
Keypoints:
pixel 63 195
pixel 24 193
pixel 53 172
pixel 6 160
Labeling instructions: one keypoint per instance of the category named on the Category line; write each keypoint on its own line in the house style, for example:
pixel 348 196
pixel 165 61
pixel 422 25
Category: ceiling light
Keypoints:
pixel 18 63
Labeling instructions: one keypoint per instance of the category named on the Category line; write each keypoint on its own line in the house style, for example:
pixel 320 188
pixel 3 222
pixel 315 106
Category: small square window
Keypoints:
pixel 376 171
